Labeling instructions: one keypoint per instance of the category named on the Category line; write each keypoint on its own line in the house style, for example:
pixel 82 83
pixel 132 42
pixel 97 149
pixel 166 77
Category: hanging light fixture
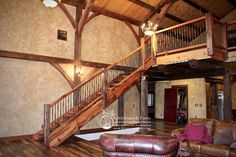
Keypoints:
pixel 149 28
pixel 51 3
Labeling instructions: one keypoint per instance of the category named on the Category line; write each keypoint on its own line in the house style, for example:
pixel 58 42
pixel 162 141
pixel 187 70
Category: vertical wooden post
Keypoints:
pixel 121 111
pixel 105 87
pixel 143 51
pixel 225 40
pixel 154 47
pixel 46 122
pixel 144 101
pixel 209 33
pixel 227 97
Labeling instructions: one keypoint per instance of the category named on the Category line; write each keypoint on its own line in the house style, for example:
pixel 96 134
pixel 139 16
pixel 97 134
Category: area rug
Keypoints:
pixel 96 136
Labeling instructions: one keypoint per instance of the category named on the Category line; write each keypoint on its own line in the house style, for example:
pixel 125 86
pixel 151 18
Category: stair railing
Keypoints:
pixel 91 90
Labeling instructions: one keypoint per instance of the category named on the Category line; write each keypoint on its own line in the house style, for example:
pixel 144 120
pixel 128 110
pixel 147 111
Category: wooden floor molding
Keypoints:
pixel 73 147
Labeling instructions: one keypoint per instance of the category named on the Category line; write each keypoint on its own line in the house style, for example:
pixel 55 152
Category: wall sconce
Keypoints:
pixel 78 70
pixel 51 3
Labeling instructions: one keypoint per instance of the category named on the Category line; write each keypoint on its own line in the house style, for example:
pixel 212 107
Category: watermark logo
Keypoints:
pixel 107 120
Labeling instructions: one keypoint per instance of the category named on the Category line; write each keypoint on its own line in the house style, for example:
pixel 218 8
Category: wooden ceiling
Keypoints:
pixel 138 11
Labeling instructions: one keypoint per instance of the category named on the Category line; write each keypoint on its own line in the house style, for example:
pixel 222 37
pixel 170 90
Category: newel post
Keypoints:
pixel 209 33
pixel 105 87
pixel 154 47
pixel 46 123
pixel 143 51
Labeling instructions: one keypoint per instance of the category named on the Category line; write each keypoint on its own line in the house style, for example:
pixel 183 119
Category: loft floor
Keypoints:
pixel 73 147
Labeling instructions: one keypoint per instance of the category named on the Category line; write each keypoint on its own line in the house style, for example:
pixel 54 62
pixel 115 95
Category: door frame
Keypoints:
pixel 186 87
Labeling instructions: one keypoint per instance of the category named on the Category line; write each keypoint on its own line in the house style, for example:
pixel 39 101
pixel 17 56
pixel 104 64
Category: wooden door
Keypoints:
pixel 170 104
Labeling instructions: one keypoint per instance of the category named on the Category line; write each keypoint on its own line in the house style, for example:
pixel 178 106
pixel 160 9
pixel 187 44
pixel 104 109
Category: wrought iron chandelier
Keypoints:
pixel 51 3
pixel 149 28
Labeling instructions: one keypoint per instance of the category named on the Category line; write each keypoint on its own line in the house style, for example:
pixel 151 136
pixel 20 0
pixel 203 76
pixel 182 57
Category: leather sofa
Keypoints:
pixel 137 145
pixel 214 127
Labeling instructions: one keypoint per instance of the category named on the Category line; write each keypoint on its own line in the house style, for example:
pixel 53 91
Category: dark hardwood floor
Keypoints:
pixel 73 147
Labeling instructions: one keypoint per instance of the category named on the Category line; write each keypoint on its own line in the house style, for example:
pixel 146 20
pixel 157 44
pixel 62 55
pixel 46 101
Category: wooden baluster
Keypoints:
pixel 46 130
pixel 105 89
pixel 225 40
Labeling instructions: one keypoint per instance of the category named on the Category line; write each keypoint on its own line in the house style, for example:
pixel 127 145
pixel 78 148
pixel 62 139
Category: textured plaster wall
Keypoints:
pixel 233 94
pixel 24 87
pixel 106 40
pixel 196 95
pixel 131 110
pixel 27 26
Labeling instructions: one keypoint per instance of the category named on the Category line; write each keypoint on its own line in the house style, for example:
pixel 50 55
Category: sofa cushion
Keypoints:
pixel 224 137
pixel 209 123
pixel 195 132
pixel 221 126
pixel 215 150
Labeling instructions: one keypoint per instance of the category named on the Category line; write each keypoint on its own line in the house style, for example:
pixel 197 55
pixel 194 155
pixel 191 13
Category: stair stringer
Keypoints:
pixel 83 117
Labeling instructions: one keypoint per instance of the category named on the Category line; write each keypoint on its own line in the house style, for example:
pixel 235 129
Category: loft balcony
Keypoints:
pixel 204 38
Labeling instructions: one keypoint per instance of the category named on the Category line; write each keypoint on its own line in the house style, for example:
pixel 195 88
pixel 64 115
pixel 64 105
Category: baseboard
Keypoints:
pixel 15 138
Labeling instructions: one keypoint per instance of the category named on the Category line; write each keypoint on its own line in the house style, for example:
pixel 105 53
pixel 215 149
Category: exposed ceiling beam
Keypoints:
pixel 116 16
pixel 233 2
pixel 155 10
pixel 190 74
pixel 198 7
pixel 103 12
pixel 143 4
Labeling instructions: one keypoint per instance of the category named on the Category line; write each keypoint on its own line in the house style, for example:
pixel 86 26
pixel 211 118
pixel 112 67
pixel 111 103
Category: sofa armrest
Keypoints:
pixel 176 132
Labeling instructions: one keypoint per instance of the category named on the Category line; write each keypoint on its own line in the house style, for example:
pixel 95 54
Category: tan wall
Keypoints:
pixel 233 92
pixel 27 26
pixel 25 87
pixel 131 110
pixel 102 35
pixel 196 95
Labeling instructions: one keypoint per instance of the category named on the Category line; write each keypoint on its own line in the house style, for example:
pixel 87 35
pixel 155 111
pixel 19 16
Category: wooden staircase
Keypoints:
pixel 73 110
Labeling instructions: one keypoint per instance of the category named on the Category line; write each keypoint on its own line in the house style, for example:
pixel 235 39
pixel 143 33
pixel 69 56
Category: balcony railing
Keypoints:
pixel 231 36
pixel 204 32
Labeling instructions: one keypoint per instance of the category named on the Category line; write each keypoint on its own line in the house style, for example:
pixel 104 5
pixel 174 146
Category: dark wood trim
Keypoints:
pixel 152 8
pixel 91 17
pixel 116 16
pixel 227 96
pixel 69 16
pixel 157 8
pixel 34 57
pixel 121 110
pixel 209 33
pixel 134 32
pixel 16 138
pixel 144 98
pixel 64 74
pixel 162 13
pixel 85 15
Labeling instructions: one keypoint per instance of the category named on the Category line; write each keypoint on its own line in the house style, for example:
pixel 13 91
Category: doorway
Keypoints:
pixel 176 104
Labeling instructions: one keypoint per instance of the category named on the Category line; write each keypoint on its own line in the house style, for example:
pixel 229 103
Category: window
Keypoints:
pixel 150 99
